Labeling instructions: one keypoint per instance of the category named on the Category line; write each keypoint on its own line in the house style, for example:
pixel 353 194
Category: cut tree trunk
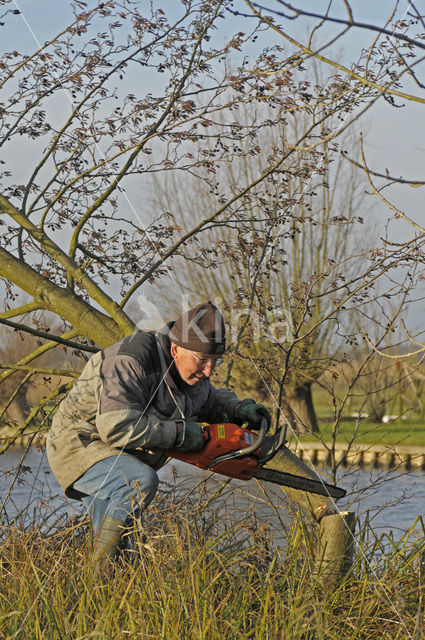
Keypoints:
pixel 313 504
pixel 300 399
pixel 334 553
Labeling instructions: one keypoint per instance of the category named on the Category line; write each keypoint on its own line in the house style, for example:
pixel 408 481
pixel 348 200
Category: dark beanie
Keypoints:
pixel 200 329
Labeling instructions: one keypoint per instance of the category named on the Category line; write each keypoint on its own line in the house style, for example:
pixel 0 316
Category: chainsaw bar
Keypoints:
pixel 299 482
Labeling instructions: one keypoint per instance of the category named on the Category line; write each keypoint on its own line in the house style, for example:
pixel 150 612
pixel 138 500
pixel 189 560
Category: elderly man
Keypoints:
pixel 132 401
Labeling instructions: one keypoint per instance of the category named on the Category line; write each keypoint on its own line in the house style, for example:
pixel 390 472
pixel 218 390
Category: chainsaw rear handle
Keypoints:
pixel 238 453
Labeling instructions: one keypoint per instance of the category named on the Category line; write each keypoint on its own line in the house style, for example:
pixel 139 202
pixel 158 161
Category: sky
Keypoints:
pixel 394 137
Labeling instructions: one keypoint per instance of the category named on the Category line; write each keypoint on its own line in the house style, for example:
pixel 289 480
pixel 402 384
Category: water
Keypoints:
pixel 391 499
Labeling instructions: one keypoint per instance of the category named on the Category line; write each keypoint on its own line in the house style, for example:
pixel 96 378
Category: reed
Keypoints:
pixel 206 573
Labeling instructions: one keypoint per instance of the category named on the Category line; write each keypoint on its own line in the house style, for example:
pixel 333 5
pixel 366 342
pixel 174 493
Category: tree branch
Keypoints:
pixel 20 311
pixel 412 183
pixel 14 394
pixel 391 206
pixel 350 22
pixel 46 336
pixel 122 321
pixel 35 411
pixel 44 372
pixel 215 215
pixel 384 90
pixel 52 344
pixel 152 131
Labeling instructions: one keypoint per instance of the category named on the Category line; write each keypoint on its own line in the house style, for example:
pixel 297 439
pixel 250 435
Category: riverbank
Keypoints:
pixel 393 499
pixel 400 450
pixel 200 580
pixel 216 565
pixel 377 456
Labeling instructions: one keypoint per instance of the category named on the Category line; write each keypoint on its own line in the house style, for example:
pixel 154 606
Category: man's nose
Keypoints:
pixel 208 369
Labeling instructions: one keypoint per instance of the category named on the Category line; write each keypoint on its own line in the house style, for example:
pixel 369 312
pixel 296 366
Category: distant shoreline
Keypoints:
pixel 387 456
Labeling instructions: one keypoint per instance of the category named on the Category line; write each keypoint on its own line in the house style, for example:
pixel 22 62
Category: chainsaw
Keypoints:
pixel 240 453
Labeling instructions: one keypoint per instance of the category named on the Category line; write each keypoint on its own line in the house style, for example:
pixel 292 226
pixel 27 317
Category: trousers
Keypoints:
pixel 120 486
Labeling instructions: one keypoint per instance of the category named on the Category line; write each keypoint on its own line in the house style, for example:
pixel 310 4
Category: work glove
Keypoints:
pixel 190 437
pixel 252 413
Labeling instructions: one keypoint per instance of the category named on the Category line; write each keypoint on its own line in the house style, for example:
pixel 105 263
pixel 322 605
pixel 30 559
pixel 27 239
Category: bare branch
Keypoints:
pixel 66 373
pixel 72 268
pixel 74 309
pixel 363 81
pixel 15 393
pixel 212 217
pixel 19 311
pixel 391 357
pixel 412 183
pixel 350 22
pixel 52 344
pixel 381 197
pixel 47 336
pixel 59 391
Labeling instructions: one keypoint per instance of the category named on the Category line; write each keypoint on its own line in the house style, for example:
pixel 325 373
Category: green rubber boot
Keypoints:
pixel 106 543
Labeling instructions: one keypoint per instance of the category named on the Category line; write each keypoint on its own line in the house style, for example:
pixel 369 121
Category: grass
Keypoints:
pixel 204 578
pixel 394 433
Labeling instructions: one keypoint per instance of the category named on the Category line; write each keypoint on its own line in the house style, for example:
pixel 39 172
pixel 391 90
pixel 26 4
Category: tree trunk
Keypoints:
pixel 300 400
pixel 335 542
pixel 315 505
pixel 334 553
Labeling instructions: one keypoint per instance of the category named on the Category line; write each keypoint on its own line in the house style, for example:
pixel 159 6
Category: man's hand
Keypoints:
pixel 190 436
pixel 252 413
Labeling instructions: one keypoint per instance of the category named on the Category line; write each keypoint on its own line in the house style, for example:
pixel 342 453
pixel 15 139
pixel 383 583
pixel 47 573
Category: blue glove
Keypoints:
pixel 252 413
pixel 190 437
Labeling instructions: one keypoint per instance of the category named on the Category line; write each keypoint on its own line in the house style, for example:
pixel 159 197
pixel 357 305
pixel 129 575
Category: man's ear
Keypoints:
pixel 173 350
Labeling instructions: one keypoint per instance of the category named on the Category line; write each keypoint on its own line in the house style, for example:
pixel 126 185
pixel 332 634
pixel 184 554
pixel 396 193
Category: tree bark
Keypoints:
pixel 334 552
pixel 333 555
pixel 300 399
pixel 72 268
pixel 90 322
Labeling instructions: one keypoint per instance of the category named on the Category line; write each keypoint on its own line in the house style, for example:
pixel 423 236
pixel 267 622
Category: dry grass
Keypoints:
pixel 205 577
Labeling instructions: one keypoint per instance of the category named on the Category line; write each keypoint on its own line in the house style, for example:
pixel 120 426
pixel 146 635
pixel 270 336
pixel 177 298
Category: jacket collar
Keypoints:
pixel 172 376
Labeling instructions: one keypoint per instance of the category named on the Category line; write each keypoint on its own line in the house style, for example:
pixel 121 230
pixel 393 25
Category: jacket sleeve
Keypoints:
pixel 124 418
pixel 219 407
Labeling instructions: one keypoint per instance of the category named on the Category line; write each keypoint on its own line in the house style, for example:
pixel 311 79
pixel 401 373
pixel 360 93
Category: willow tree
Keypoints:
pixel 279 264
pixel 306 218
pixel 387 51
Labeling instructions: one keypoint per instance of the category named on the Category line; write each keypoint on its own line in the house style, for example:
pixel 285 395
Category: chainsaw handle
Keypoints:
pixel 247 450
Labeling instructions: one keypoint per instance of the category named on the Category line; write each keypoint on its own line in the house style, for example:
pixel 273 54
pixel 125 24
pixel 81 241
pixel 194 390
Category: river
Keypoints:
pixel 391 500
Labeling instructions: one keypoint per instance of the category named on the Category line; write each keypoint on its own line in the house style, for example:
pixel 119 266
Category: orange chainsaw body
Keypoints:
pixel 221 439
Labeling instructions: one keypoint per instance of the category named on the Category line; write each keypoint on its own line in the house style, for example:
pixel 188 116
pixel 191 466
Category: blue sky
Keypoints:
pixel 394 137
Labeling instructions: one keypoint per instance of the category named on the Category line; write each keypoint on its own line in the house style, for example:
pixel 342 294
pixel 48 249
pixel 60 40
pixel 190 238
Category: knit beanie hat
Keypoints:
pixel 200 329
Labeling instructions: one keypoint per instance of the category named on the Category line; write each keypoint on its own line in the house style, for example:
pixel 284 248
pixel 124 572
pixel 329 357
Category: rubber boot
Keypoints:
pixel 106 543
pixel 128 549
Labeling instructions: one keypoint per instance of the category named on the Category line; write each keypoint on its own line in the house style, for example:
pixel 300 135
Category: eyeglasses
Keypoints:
pixel 203 362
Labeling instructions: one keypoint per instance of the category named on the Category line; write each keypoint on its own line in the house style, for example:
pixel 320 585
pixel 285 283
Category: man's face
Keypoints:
pixel 193 366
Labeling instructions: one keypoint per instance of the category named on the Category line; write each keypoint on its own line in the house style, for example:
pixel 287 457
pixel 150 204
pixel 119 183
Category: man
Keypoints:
pixel 133 401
